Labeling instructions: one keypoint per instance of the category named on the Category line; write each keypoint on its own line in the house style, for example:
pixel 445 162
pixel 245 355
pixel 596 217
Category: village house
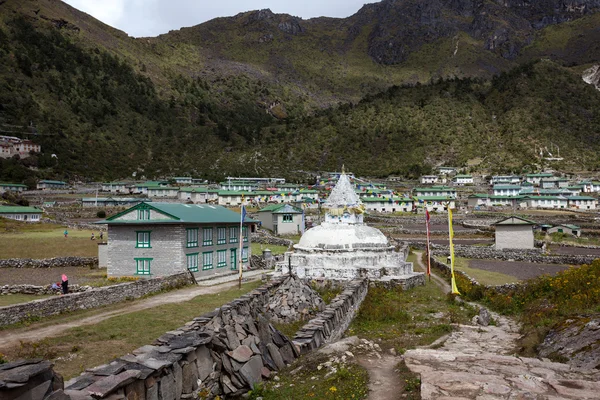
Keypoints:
pixel 308 194
pixel 12 187
pixel 11 146
pixel 582 202
pixel 463 180
pixel 575 190
pixel 553 183
pixel 536 178
pixel 111 201
pixel 194 194
pixel 282 219
pixel 19 213
pixel 162 191
pixel 160 239
pixel 388 204
pixel 435 203
pixel 446 170
pixel 365 193
pixel 505 180
pixel 514 233
pixel 590 186
pixel 182 180
pixel 114 187
pixel 442 191
pixel 506 190
pixel 544 202
pixel 371 186
pixel 486 200
pixel 142 188
pixel 51 185
pixel 568 229
pixel 429 179
pixel 239 186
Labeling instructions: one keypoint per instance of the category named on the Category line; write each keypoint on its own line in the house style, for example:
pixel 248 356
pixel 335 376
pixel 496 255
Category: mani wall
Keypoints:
pixel 57 262
pixel 222 353
pixel 90 298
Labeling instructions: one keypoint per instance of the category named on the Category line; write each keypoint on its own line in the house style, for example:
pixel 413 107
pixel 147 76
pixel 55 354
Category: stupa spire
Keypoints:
pixel 343 200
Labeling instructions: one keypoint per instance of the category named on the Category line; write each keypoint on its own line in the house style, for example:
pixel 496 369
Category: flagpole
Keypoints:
pixel 428 248
pixel 450 237
pixel 241 239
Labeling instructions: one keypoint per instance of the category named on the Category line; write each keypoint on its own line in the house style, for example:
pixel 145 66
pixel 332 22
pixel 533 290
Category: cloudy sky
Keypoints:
pixel 153 17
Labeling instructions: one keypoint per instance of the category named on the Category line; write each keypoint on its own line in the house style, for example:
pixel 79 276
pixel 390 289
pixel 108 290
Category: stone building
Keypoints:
pixel 514 233
pixel 282 219
pixel 26 214
pixel 158 239
pixel 48 184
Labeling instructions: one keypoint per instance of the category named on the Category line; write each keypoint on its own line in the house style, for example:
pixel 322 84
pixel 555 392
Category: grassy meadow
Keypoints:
pixel 483 277
pixel 37 240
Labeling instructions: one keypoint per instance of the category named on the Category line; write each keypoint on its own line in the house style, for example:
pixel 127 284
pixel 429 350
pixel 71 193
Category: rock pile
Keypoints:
pixel 292 301
pixel 30 379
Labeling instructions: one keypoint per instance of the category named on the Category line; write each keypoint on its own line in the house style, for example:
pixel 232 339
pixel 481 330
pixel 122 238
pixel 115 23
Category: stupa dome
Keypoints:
pixel 342 236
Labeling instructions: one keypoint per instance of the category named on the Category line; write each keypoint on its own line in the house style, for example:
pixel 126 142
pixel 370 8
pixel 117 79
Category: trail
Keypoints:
pixel 445 286
pixel 10 338
pixel 384 382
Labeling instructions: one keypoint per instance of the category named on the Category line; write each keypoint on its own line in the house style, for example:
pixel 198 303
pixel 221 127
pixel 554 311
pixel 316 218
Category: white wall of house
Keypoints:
pixel 514 237
pixel 583 204
pixel 26 217
pixel 387 207
pixel 287 228
pixel 428 179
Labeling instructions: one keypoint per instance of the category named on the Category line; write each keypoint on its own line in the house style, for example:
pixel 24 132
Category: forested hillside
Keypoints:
pixel 261 93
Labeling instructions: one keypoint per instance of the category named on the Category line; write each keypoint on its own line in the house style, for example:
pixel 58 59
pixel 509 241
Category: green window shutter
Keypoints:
pixel 221 258
pixel 192 262
pixel 207 236
pixel 192 237
pixel 233 234
pixel 233 258
pixel 142 266
pixel 221 235
pixel 207 260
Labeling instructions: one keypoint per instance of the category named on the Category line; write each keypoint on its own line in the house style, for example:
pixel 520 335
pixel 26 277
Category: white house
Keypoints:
pixel 435 203
pixel 114 187
pixel 193 194
pixel 282 219
pixel 544 202
pixel 12 187
pixel 162 191
pixel 241 185
pixel 505 180
pixel 429 179
pixel 111 201
pixel 442 191
pixel 566 228
pixel 446 170
pixel 506 190
pixel 50 185
pixel 19 213
pixel 514 233
pixel 582 202
pixel 388 204
pixel 536 178
pixel 463 180
pixel 183 180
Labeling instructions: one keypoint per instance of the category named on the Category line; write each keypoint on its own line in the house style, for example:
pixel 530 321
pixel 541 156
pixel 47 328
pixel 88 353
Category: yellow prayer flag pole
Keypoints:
pixel 451 236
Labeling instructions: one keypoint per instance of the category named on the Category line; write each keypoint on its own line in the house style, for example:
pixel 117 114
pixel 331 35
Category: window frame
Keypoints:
pixel 205 264
pixel 141 244
pixel 287 218
pixel 142 262
pixel 221 264
pixel 192 256
pixel 207 240
pixel 245 234
pixel 143 214
pixel 192 243
pixel 245 252
pixel 221 229
pixel 233 234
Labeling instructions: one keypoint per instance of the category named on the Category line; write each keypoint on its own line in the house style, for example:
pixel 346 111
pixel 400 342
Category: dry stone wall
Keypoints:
pixel 28 379
pixel 292 301
pixel 90 298
pixel 39 290
pixel 56 262
pixel 331 323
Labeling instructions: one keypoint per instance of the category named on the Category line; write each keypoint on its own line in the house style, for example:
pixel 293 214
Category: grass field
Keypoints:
pixel 257 249
pixel 11 299
pixel 88 346
pixel 36 240
pixel 481 276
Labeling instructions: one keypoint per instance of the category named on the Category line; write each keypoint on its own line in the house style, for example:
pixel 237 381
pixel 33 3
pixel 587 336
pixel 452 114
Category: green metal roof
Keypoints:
pixel 385 199
pixel 580 198
pixel 13 185
pixel 435 189
pixel 572 227
pixel 181 213
pixel 463 176
pixel 282 209
pixel 19 210
pixel 434 198
pixel 514 221
pixel 540 175
pixel 53 182
pixel 545 198
pixel 193 190
pixel 506 187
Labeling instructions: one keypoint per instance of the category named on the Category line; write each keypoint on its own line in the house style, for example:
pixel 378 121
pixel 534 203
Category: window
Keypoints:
pixel 288 218
pixel 142 239
pixel 245 233
pixel 245 254
pixel 143 215
pixel 142 266
pixel 192 237
pixel 233 258
pixel 221 235
pixel 207 239
pixel 207 260
pixel 192 262
pixel 233 234
pixel 221 258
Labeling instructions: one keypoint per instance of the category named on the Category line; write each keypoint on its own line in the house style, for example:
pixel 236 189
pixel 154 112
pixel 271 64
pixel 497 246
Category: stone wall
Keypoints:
pixel 30 379
pixel 224 352
pixel 56 262
pixel 39 290
pixel 265 238
pixel 292 301
pixel 90 299
pixel 330 324
pixel 489 253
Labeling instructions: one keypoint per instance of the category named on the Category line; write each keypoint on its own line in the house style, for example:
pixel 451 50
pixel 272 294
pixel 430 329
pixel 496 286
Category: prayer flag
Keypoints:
pixel 451 236
pixel 428 248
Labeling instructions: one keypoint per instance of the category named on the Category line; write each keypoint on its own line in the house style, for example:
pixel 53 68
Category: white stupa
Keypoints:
pixel 343 248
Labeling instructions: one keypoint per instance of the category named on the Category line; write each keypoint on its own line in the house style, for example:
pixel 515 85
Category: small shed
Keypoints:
pixel 514 233
pixel 282 219
pixel 569 229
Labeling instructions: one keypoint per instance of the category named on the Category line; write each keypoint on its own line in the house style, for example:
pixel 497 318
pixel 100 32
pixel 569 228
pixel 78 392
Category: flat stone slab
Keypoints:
pixel 241 353
pixel 105 386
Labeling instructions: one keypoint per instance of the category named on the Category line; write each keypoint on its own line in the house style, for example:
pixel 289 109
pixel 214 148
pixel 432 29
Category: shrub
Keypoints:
pixel 101 214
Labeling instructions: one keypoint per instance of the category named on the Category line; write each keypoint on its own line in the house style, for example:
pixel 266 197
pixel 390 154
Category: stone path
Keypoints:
pixel 10 338
pixel 475 362
pixel 383 378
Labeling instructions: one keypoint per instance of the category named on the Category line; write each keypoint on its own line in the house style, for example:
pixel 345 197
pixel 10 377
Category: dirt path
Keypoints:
pixel 445 286
pixel 11 337
pixel 384 382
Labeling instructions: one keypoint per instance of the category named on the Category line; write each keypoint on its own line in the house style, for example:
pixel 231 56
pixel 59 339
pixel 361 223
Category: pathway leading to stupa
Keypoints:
pixel 477 362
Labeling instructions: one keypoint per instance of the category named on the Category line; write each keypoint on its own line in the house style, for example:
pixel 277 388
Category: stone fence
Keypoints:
pixel 490 253
pixel 265 238
pixel 39 290
pixel 90 298
pixel 56 262
pixel 331 323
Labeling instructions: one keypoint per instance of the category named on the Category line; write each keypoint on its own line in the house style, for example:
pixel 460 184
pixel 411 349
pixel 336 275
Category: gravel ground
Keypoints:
pixel 45 276
pixel 580 251
pixel 518 269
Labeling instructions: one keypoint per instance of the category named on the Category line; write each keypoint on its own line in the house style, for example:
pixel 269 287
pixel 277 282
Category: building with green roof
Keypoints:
pixel 387 204
pixel 20 213
pixel 158 239
pixel 51 185
pixel 12 187
pixel 282 219
pixel 514 233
